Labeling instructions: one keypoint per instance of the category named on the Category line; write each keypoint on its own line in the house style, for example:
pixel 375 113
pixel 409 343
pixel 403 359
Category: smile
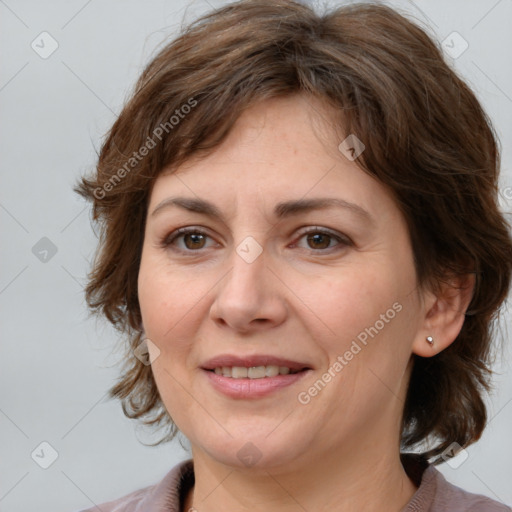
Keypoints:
pixel 253 372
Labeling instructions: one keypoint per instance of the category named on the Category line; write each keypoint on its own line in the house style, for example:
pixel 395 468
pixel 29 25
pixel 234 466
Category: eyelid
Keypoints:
pixel 169 238
pixel 319 229
pixel 343 240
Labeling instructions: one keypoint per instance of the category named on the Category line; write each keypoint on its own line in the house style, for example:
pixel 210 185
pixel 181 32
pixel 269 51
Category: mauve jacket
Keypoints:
pixel 434 494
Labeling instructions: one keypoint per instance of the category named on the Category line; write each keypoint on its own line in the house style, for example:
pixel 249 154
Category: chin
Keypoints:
pixel 252 451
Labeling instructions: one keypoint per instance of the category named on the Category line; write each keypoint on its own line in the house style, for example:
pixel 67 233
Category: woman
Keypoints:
pixel 302 243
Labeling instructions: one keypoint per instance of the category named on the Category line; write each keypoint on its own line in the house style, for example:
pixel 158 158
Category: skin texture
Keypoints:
pixel 301 299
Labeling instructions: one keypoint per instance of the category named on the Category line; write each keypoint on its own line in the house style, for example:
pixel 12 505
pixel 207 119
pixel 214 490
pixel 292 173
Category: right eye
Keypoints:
pixel 193 239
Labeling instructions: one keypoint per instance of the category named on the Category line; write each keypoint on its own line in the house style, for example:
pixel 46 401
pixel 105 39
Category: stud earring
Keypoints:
pixel 430 340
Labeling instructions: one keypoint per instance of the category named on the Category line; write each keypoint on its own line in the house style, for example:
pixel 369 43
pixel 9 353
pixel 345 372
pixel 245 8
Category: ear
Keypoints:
pixel 444 312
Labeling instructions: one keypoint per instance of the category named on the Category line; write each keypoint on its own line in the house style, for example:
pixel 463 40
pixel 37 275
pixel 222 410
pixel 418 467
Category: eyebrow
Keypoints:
pixel 281 210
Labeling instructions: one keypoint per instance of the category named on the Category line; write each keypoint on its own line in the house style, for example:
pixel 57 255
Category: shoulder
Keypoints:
pixel 127 503
pixel 161 497
pixel 456 499
pixel 436 494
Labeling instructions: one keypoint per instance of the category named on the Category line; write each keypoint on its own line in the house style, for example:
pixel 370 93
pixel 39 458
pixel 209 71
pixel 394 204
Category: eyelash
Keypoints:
pixel 170 239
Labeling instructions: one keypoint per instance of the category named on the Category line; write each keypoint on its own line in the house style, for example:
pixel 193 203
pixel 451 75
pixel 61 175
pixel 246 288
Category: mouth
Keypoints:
pixel 254 366
pixel 254 372
pixel 253 376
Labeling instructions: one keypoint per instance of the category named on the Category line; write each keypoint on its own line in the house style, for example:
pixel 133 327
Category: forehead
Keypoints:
pixel 279 149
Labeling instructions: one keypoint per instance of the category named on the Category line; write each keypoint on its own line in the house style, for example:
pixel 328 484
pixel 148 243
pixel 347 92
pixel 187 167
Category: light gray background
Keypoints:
pixel 57 364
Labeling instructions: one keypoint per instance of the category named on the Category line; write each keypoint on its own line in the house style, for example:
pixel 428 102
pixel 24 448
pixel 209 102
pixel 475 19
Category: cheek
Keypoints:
pixel 366 316
pixel 167 303
pixel 174 306
pixel 165 294
pixel 344 303
pixel 372 323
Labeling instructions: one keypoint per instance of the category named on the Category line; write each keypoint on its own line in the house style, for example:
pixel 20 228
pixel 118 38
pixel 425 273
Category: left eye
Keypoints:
pixel 318 239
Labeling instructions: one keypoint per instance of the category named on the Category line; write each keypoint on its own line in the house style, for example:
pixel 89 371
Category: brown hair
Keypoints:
pixel 427 139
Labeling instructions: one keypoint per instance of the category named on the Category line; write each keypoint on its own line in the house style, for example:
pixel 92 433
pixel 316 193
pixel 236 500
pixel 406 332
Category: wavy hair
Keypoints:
pixel 427 139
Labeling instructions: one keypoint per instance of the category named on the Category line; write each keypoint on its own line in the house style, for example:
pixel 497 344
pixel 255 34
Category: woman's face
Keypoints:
pixel 263 280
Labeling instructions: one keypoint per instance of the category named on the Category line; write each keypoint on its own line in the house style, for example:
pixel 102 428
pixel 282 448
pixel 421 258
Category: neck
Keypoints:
pixel 330 483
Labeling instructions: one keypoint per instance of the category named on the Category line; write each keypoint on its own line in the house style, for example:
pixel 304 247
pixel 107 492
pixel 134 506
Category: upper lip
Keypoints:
pixel 250 361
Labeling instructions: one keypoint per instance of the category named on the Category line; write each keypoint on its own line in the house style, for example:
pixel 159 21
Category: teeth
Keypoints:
pixel 239 372
pixel 271 371
pixel 254 372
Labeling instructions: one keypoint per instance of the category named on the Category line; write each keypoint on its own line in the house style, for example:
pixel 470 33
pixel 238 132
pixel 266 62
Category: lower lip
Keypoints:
pixel 252 388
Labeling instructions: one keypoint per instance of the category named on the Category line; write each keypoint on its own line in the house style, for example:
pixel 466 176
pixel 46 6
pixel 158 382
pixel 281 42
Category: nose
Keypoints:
pixel 250 296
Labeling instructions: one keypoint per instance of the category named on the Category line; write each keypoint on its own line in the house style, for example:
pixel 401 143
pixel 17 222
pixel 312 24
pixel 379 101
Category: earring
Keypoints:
pixel 430 340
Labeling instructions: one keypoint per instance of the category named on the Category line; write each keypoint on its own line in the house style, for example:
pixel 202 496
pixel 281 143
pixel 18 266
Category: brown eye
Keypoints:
pixel 319 240
pixel 193 240
pixel 186 240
